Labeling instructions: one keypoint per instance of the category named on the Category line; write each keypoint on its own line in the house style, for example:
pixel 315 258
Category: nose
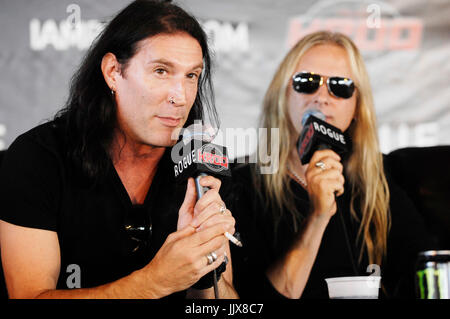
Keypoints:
pixel 178 92
pixel 321 97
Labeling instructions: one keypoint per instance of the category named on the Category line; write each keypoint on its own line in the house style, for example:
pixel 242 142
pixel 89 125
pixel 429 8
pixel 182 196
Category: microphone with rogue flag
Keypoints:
pixel 317 135
pixel 195 156
pixel 199 157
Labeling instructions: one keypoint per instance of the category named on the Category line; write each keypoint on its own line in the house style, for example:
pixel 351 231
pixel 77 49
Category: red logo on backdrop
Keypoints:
pixel 389 32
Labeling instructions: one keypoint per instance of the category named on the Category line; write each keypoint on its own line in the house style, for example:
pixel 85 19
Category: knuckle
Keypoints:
pixel 206 224
pixel 219 242
pixel 217 262
pixel 214 192
pixel 224 227
pixel 196 272
pixel 170 237
pixel 222 250
pixel 198 208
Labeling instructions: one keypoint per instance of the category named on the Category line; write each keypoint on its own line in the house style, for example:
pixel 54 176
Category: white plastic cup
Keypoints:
pixel 355 287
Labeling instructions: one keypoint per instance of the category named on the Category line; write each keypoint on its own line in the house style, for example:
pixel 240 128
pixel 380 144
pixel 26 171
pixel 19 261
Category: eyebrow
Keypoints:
pixel 170 64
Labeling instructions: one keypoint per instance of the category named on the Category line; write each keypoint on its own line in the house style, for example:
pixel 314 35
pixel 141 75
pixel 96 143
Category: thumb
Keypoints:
pixel 191 196
pixel 181 233
pixel 187 208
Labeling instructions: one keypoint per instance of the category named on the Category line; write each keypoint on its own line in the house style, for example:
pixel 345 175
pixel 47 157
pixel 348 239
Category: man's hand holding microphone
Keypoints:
pixel 200 244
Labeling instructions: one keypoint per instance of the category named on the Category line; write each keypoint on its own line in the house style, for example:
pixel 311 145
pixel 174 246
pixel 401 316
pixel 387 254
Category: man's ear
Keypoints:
pixel 110 69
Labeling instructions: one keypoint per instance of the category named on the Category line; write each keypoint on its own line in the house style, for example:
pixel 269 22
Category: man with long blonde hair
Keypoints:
pixel 294 236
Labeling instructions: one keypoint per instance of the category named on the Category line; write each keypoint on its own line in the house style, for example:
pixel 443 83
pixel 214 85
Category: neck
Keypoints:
pixel 136 165
pixel 125 152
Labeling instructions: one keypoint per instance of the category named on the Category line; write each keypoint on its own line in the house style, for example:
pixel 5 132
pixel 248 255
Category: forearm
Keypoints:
pixel 290 274
pixel 224 285
pixel 133 286
pixel 226 291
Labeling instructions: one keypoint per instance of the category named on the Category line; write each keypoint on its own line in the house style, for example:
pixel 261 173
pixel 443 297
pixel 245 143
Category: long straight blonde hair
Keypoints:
pixel 364 167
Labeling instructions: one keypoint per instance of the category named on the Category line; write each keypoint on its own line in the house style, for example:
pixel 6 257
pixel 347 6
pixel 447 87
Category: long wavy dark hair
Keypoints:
pixel 89 115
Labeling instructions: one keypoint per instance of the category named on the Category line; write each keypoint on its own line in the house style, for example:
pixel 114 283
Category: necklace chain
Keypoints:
pixel 301 180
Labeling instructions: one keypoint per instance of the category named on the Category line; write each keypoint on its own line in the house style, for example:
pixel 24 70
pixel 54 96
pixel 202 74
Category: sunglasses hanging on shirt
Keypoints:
pixel 139 227
pixel 309 82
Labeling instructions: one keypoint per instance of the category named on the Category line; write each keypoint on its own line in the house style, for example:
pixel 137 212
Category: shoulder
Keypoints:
pixel 244 181
pixel 243 173
pixel 44 139
pixel 31 179
pixel 36 153
pixel 397 193
pixel 239 185
pixel 419 188
pixel 408 220
pixel 389 168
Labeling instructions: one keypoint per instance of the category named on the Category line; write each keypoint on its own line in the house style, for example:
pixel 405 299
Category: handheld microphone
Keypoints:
pixel 200 158
pixel 317 135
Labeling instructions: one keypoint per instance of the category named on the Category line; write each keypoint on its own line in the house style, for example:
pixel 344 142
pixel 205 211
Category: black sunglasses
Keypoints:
pixel 309 82
pixel 139 227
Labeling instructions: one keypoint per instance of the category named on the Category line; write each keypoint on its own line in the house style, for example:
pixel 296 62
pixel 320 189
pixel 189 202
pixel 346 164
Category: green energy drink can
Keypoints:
pixel 433 274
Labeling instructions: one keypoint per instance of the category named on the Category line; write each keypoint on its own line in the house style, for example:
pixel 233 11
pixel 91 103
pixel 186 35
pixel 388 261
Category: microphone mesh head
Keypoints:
pixel 199 132
pixel 313 112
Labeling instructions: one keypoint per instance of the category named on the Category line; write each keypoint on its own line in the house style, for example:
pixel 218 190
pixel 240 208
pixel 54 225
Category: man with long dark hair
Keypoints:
pixel 89 199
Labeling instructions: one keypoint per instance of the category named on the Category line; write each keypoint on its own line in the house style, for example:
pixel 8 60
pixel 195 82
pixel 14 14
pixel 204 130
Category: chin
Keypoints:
pixel 163 141
pixel 165 136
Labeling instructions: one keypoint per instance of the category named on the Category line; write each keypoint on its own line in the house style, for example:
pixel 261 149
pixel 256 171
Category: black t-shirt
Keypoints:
pixel 266 241
pixel 39 188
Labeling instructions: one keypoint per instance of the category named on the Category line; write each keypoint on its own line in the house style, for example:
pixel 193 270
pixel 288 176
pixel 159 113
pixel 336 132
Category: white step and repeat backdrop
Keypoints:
pixel 406 45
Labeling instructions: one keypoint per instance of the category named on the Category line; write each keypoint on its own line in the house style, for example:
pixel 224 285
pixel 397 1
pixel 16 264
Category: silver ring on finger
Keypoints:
pixel 214 256
pixel 223 209
pixel 210 259
pixel 320 165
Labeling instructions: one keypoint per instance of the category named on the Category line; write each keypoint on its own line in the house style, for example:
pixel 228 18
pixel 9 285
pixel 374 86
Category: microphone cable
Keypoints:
pixel 216 288
pixel 200 191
